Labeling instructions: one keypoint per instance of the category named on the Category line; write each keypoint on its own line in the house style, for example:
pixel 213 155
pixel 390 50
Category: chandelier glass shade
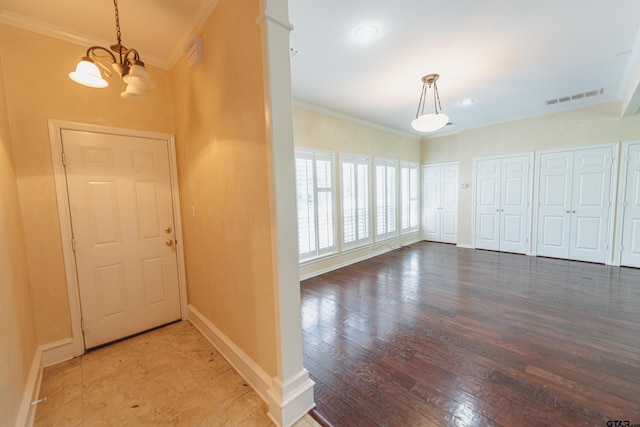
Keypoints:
pixel 124 61
pixel 430 122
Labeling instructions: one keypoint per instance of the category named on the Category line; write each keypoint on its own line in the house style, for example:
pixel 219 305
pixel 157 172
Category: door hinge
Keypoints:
pixel 64 158
pixel 73 245
pixel 82 325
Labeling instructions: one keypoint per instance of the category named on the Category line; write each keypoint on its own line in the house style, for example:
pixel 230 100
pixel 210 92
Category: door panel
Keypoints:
pixel 630 255
pixel 487 204
pixel 431 203
pixel 122 218
pixel 590 204
pixel 514 204
pixel 502 204
pixel 449 204
pixel 440 203
pixel 554 212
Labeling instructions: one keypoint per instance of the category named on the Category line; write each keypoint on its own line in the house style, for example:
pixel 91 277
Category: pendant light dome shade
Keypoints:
pixel 88 74
pixel 430 122
pixel 139 77
pixel 433 121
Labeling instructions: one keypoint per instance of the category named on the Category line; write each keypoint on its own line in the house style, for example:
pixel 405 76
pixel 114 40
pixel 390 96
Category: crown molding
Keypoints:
pixel 54 31
pixel 366 123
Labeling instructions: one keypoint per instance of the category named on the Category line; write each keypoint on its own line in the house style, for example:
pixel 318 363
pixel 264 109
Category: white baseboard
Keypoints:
pixel 465 246
pixel 58 351
pixel 27 412
pixel 291 401
pixel 384 245
pixel 243 364
pixel 288 402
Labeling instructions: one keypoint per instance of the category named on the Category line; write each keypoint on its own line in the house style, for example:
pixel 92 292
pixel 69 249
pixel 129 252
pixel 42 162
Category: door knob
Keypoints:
pixel 169 242
pixel 168 230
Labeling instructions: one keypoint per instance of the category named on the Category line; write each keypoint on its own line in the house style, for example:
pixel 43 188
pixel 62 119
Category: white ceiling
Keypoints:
pixel 508 55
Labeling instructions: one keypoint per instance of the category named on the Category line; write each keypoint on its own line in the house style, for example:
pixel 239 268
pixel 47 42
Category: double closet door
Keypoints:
pixel 574 203
pixel 502 203
pixel 440 203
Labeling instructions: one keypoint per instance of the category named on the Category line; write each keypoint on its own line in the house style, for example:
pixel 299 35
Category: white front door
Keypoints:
pixel 122 219
pixel 630 255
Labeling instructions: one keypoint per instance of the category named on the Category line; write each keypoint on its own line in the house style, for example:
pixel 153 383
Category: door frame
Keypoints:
pixel 611 251
pixel 76 345
pixel 530 203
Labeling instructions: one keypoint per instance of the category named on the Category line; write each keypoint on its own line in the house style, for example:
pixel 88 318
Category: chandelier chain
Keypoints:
pixel 115 5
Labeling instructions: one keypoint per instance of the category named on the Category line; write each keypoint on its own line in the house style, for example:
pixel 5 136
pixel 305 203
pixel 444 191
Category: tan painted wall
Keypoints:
pixel 38 88
pixel 321 131
pixel 587 126
pixel 223 174
pixel 17 333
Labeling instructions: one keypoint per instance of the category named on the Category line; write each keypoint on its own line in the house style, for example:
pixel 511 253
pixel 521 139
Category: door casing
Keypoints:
pixel 75 347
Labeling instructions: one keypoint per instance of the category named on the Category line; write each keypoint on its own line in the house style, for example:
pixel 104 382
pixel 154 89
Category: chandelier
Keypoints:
pixel 126 62
pixel 433 121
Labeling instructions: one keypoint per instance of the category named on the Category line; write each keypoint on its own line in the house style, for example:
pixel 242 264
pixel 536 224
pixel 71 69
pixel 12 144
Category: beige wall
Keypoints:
pixel 324 131
pixel 38 88
pixel 17 333
pixel 223 175
pixel 587 126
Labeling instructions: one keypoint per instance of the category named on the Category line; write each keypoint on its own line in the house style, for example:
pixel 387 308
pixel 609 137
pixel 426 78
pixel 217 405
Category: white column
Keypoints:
pixel 291 391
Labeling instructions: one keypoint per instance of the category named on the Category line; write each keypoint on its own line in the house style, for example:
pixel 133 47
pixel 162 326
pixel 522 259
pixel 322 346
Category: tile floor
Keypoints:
pixel 169 376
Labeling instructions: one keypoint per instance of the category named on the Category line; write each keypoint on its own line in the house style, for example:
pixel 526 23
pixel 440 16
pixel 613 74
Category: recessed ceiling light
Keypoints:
pixel 366 32
pixel 467 101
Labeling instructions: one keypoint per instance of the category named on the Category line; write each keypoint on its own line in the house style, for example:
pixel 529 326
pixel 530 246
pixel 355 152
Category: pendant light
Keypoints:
pixel 126 62
pixel 433 121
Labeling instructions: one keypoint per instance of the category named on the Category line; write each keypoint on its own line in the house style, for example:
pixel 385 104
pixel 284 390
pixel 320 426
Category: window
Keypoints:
pixel 409 198
pixel 315 202
pixel 386 199
pixel 356 212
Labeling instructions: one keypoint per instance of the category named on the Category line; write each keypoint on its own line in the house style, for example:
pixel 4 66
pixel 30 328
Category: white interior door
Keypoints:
pixel 630 254
pixel 440 203
pixel 514 204
pixel 554 199
pixel 575 203
pixel 449 203
pixel 590 204
pixel 487 182
pixel 122 219
pixel 431 214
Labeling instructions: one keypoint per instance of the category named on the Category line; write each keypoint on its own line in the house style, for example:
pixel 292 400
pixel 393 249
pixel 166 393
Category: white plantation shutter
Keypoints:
pixel 409 198
pixel 356 213
pixel 315 204
pixel 386 198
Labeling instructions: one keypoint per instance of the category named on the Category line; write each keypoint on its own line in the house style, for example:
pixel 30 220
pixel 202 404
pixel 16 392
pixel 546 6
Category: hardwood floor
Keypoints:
pixel 437 335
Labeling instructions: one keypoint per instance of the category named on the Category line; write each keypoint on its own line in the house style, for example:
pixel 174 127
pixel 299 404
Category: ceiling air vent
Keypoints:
pixel 574 97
